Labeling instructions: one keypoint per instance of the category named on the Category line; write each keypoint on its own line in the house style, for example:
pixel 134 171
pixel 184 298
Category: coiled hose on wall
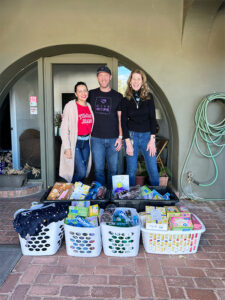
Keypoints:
pixel 213 135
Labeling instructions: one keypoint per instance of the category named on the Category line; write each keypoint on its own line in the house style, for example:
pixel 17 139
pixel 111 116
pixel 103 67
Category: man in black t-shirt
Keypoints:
pixel 106 140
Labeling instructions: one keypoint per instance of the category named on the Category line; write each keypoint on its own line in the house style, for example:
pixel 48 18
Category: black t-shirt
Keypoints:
pixel 140 119
pixel 105 106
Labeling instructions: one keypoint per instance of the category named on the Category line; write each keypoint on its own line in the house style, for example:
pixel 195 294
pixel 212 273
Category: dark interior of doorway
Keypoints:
pixel 5 132
pixel 66 97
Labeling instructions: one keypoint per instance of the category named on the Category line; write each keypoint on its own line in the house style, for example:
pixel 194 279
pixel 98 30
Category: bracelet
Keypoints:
pixel 120 137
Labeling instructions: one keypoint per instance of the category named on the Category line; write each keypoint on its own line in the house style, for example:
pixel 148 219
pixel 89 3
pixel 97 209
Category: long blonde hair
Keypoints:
pixel 145 90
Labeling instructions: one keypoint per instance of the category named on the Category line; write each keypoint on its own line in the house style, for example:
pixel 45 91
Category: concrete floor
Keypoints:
pixel 147 276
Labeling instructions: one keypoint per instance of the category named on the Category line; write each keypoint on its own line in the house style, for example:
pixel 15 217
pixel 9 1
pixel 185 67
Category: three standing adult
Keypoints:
pixel 106 137
pixel 106 104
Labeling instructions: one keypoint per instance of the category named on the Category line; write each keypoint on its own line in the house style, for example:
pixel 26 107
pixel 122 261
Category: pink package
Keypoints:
pixel 195 222
pixel 180 223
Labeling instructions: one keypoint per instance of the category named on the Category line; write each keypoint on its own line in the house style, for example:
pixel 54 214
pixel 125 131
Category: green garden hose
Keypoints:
pixel 213 135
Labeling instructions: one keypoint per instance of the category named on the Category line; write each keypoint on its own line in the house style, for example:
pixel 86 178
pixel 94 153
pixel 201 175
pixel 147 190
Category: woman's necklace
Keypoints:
pixel 137 100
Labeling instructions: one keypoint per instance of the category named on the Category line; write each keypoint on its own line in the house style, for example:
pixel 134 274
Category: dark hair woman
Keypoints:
pixel 139 126
pixel 76 127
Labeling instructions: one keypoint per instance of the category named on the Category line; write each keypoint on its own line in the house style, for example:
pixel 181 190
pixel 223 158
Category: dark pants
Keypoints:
pixel 82 152
pixel 101 149
pixel 140 141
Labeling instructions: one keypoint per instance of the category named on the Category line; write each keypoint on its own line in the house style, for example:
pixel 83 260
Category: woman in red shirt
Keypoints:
pixel 76 128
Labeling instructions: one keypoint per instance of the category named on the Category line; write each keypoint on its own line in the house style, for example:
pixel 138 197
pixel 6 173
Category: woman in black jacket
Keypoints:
pixel 139 126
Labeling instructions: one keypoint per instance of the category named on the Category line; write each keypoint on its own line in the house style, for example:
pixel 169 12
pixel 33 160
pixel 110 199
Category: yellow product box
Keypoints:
pixel 93 210
pixel 157 218
pixel 172 211
pixel 80 191
pixel 148 209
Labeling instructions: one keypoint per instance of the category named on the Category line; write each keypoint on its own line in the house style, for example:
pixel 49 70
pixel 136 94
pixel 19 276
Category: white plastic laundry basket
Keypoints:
pixel 83 241
pixel 121 241
pixel 171 242
pixel 47 242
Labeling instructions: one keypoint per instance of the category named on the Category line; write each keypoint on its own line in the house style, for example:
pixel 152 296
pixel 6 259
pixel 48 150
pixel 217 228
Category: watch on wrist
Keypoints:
pixel 120 137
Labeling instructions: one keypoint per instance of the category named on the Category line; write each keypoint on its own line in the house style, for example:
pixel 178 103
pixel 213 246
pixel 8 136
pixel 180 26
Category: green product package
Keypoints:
pixel 78 210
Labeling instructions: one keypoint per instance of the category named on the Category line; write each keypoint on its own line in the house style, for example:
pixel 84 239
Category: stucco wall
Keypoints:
pixel 180 44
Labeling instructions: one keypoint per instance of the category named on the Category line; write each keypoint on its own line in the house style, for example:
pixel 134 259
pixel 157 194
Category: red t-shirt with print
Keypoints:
pixel 85 120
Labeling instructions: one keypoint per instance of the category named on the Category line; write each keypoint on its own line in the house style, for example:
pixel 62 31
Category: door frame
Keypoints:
pixel 46 95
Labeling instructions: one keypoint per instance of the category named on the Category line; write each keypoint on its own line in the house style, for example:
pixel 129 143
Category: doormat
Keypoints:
pixel 9 256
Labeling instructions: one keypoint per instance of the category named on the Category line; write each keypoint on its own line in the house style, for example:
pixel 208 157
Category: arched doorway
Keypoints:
pixel 49 61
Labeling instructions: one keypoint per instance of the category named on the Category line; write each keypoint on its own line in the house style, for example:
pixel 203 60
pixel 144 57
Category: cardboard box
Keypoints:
pixel 93 210
pixel 184 211
pixel 61 191
pixel 85 203
pixel 172 211
pixel 180 223
pixel 145 192
pixel 156 218
pixel 120 181
pixel 93 220
pixel 80 191
pixel 78 210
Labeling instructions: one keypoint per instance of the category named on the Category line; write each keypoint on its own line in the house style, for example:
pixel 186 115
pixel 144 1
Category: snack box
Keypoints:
pixel 180 223
pixel 145 192
pixel 80 191
pixel 93 210
pixel 154 209
pixel 184 211
pixel 172 211
pixel 70 221
pixel 121 181
pixel 77 220
pixel 93 220
pixel 85 203
pixel 156 218
pixel 79 210
pixel 61 191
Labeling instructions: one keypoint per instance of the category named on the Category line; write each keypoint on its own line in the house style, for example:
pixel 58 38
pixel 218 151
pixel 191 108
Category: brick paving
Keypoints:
pixel 145 277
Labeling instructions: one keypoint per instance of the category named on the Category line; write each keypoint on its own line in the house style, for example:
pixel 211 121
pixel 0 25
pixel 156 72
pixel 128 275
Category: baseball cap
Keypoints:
pixel 104 69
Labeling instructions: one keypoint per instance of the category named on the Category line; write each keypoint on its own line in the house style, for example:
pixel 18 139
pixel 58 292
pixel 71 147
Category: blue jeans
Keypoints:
pixel 82 152
pixel 101 149
pixel 140 141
